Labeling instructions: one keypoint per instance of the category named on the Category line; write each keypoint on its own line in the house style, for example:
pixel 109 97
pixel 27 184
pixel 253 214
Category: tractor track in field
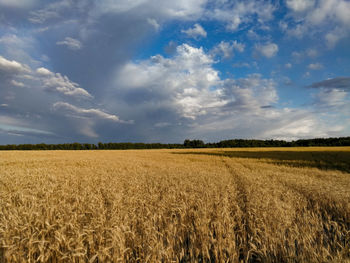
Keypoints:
pixel 243 230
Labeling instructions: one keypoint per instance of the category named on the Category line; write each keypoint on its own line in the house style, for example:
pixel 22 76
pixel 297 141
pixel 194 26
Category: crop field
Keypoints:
pixel 202 205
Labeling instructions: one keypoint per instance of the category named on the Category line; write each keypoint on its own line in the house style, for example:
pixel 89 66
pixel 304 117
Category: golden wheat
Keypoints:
pixel 212 205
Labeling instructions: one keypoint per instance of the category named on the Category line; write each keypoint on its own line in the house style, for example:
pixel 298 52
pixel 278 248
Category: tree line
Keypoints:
pixel 234 143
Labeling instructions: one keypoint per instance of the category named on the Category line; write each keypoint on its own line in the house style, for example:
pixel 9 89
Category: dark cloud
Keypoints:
pixel 335 83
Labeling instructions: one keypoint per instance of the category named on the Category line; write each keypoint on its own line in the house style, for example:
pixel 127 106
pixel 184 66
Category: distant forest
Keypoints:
pixel 235 143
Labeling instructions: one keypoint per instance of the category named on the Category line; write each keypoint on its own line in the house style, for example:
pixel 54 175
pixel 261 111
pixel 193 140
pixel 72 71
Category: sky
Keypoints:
pixel 165 71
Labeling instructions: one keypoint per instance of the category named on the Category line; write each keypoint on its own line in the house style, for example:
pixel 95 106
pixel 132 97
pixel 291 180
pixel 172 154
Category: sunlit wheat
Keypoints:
pixel 213 205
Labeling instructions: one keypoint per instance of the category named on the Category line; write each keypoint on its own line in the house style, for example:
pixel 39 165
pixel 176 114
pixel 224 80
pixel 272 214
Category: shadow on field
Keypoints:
pixel 327 160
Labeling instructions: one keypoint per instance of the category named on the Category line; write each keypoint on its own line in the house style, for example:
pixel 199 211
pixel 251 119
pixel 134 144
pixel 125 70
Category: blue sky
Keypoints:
pixel 164 71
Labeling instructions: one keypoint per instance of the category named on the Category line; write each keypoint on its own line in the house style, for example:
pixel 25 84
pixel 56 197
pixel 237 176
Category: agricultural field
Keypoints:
pixel 203 205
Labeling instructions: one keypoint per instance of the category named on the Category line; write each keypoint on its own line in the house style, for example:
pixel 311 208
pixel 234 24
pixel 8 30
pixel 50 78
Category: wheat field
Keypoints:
pixel 203 205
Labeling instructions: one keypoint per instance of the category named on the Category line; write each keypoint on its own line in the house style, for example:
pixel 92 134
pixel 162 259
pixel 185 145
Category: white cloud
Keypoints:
pixel 331 98
pixel 331 10
pixel 312 53
pixel 225 49
pixel 12 66
pixel 332 94
pixel 297 31
pixel 189 85
pixel 195 32
pixel 307 74
pixel 288 65
pixel 181 9
pixel 328 17
pixel 49 12
pixel 61 84
pixel 191 91
pixel 238 13
pixel 71 43
pixel 250 94
pixel 268 50
pixel 296 125
pixel 17 83
pixel 153 22
pixel 244 65
pixel 301 55
pixel 297 54
pixel 286 124
pixel 86 113
pixel 342 10
pixel 234 24
pixel 18 47
pixel 11 39
pixel 238 46
pixel 315 66
pixel 184 82
pixel 300 5
pixel 18 3
pixel 44 72
pixel 333 37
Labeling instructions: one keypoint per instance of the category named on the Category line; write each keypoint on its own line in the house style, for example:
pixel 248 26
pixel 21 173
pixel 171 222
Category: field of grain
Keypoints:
pixel 203 205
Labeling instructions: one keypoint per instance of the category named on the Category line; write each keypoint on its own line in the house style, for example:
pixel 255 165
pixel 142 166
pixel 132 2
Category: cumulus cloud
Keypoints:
pixel 231 104
pixel 190 91
pixel 12 67
pixel 226 49
pixel 331 10
pixel 17 83
pixel 315 66
pixel 71 43
pixel 300 5
pixel 184 81
pixel 267 50
pixel 238 13
pixel 249 94
pixel 328 17
pixel 312 53
pixel 334 36
pixel 44 72
pixel 195 32
pixel 303 54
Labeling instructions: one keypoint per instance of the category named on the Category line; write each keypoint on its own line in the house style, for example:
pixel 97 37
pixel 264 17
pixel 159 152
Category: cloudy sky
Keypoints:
pixel 164 70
